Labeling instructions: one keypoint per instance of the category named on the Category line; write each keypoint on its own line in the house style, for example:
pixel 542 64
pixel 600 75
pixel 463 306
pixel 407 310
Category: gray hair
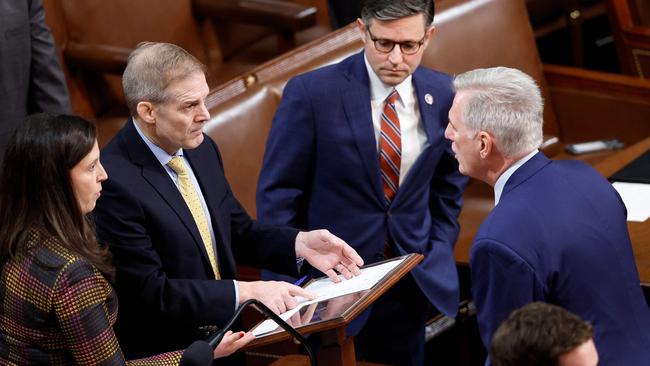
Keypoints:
pixel 506 103
pixel 151 68
pixel 393 10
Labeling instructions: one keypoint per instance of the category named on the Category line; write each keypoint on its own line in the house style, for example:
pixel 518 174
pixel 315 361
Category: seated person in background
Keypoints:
pixel 541 334
pixel 558 232
pixel 56 306
pixel 175 228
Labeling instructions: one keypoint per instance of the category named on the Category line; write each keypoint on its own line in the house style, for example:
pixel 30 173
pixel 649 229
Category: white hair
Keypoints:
pixel 506 103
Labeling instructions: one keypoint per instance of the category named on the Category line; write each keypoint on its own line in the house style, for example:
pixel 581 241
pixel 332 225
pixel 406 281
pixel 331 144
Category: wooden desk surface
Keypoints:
pixel 639 231
pixel 479 195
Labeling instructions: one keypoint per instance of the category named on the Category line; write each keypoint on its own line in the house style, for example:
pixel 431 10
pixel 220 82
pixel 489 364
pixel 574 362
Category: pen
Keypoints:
pixel 300 281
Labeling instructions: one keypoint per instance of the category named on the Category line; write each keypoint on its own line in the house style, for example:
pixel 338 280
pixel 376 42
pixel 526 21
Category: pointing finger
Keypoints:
pixel 299 291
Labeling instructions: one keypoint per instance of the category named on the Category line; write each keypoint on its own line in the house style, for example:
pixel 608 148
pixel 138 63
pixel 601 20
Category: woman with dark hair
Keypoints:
pixel 56 306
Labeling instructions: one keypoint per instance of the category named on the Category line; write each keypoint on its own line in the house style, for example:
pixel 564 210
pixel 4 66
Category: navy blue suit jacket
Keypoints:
pixel 559 235
pixel 164 281
pixel 321 170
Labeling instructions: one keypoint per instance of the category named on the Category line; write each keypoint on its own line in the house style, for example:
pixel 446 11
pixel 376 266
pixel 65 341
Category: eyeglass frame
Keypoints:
pixel 401 44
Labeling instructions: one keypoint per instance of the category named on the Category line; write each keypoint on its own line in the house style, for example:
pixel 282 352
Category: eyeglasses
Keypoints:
pixel 387 45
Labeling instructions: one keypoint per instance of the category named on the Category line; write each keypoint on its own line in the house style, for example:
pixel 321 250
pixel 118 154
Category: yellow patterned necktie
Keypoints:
pixel 194 204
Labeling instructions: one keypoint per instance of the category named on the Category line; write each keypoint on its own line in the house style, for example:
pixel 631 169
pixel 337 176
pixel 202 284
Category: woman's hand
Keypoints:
pixel 232 342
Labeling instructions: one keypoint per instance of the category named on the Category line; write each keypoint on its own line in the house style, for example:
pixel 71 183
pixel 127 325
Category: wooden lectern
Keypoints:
pixel 329 318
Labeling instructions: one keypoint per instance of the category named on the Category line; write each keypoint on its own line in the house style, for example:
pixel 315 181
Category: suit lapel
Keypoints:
pixel 160 181
pixel 356 103
pixel 426 93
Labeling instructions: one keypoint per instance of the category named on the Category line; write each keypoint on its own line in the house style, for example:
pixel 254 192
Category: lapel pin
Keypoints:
pixel 428 98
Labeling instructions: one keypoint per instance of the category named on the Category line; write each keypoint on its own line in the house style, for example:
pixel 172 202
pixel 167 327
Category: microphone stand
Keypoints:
pixel 214 339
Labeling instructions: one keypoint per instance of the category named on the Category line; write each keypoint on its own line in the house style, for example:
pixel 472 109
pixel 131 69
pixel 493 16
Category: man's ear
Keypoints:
pixel 486 144
pixel 146 112
pixel 430 32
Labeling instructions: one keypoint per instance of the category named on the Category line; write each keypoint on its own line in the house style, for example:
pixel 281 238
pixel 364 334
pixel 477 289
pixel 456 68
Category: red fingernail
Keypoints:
pixel 241 334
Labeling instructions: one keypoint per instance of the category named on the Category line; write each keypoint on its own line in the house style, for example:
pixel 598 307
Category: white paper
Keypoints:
pixel 636 197
pixel 269 325
pixel 325 289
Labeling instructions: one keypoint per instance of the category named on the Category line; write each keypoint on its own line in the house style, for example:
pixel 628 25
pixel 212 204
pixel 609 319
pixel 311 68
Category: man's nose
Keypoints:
pixel 395 56
pixel 204 114
pixel 448 133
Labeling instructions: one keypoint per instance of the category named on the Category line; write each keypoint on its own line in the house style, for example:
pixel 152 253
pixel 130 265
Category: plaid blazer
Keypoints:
pixel 57 309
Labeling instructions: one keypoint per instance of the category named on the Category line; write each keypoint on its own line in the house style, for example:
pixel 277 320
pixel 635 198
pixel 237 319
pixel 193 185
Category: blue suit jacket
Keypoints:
pixel 321 170
pixel 164 281
pixel 559 235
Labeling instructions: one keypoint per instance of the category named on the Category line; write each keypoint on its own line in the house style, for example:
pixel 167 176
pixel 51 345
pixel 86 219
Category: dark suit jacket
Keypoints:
pixel 31 79
pixel 559 235
pixel 321 169
pixel 164 279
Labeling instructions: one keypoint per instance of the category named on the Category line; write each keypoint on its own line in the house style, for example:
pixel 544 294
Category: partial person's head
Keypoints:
pixel 165 89
pixel 395 34
pixel 51 181
pixel 541 334
pixel 496 118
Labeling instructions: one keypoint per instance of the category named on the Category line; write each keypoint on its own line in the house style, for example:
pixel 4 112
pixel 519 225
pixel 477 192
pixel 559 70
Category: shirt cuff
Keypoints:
pixel 236 294
pixel 299 262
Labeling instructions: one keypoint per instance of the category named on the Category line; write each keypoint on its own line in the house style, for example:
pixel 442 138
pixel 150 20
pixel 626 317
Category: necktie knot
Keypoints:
pixel 178 165
pixel 392 97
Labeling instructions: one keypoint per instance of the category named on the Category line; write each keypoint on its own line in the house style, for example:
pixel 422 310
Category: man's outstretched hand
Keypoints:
pixel 328 253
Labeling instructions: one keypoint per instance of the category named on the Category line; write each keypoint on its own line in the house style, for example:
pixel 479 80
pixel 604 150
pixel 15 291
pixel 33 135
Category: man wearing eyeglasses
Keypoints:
pixel 358 148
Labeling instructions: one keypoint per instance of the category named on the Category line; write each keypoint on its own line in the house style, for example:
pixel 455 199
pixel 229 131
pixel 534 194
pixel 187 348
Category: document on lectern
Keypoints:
pixel 324 288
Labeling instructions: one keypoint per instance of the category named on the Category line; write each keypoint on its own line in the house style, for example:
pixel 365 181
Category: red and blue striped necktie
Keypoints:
pixel 390 147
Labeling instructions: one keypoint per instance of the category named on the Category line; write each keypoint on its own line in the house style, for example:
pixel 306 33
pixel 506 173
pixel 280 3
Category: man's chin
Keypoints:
pixel 393 78
pixel 195 142
pixel 462 170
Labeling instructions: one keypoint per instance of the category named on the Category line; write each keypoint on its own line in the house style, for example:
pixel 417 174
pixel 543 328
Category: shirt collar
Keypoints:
pixel 160 154
pixel 503 179
pixel 379 91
